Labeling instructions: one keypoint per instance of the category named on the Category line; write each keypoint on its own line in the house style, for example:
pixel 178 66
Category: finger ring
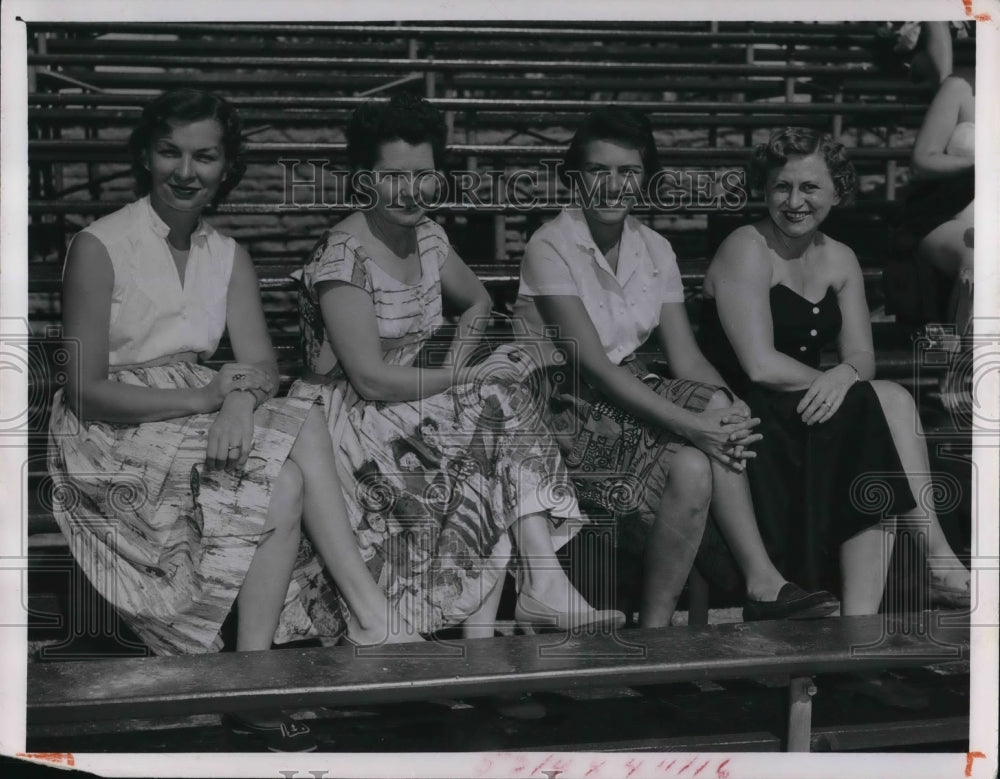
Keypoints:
pixel 235 446
pixel 239 376
pixel 824 403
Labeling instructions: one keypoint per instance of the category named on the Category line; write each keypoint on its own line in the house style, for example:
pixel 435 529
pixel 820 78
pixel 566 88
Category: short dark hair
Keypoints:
pixel 404 117
pixel 618 125
pixel 789 142
pixel 183 106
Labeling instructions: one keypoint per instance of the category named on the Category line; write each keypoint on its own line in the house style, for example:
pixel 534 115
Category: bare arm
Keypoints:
pixel 351 325
pixel 569 315
pixel 88 282
pixel 714 432
pixel 741 282
pixel 930 161
pixel 246 324
pixel 462 287
pixel 680 348
pixel 854 343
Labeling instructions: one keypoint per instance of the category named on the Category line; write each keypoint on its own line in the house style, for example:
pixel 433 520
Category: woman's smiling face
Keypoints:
pixel 187 165
pixel 611 176
pixel 404 181
pixel 800 194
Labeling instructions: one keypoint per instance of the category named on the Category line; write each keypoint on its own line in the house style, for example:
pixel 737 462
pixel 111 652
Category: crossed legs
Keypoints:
pixel 308 492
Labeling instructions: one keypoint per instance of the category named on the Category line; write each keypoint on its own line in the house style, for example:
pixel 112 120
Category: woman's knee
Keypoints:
pixel 720 399
pixel 313 438
pixel 897 404
pixel 285 511
pixel 690 478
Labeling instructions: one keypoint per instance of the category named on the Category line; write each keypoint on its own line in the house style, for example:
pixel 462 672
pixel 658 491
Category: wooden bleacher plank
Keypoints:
pixel 112 150
pixel 343 676
pixel 608 32
pixel 711 110
pixel 467 65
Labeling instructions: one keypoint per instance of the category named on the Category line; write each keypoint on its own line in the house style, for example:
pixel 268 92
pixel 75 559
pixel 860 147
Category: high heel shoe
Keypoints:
pixel 533 616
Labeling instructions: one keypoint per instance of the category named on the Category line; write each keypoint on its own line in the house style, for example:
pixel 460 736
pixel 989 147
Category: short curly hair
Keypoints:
pixel 788 142
pixel 404 117
pixel 183 106
pixel 618 125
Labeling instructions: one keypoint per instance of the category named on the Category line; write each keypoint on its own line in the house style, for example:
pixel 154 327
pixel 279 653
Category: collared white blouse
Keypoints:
pixel 153 315
pixel 562 259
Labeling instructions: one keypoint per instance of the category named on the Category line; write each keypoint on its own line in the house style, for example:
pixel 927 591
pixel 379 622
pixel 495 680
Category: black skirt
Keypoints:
pixel 814 487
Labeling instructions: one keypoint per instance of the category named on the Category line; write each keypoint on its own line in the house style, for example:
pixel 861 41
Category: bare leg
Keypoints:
pixel 948 248
pixel 732 508
pixel 907 434
pixel 263 592
pixel 480 624
pixel 325 518
pixel 674 538
pixel 864 564
pixel 541 575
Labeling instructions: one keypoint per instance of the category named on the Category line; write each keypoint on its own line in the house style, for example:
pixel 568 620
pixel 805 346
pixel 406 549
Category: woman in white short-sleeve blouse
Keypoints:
pixel 653 451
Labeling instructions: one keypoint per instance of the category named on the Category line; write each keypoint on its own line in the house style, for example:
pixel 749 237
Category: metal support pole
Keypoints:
pixel 697 599
pixel 838 119
pixel 429 81
pixel 800 694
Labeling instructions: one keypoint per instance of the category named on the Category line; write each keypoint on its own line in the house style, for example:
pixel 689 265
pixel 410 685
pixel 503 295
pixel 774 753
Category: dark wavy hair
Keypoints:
pixel 618 125
pixel 404 117
pixel 183 106
pixel 790 142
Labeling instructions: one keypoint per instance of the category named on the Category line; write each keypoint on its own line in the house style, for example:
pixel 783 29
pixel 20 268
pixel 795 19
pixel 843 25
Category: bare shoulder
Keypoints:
pixel 89 256
pixel 241 258
pixel 743 254
pixel 840 259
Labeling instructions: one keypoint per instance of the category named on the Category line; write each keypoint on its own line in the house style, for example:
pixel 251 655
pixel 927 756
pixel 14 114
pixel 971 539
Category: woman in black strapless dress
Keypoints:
pixel 842 455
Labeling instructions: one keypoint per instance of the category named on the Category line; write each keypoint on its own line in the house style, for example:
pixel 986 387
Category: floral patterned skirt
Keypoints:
pixel 434 485
pixel 167 542
pixel 618 463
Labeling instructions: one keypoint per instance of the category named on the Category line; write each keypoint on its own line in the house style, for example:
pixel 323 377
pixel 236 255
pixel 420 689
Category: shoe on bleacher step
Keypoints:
pixel 280 734
pixel 792 603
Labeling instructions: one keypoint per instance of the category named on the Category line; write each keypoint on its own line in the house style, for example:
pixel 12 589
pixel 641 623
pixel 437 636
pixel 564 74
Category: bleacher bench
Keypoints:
pixel 795 651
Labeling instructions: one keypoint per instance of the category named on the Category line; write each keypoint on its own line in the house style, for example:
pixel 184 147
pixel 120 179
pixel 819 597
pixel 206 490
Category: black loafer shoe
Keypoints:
pixel 792 603
pixel 286 735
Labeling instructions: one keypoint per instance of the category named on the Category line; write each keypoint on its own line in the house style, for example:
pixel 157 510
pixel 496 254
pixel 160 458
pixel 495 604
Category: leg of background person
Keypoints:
pixel 732 508
pixel 908 436
pixel 938 46
pixel 262 595
pixel 673 540
pixel 864 565
pixel 326 522
pixel 947 249
pixel 962 295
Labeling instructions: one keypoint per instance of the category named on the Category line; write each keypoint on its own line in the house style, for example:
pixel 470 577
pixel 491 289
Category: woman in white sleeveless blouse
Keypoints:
pixel 181 489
